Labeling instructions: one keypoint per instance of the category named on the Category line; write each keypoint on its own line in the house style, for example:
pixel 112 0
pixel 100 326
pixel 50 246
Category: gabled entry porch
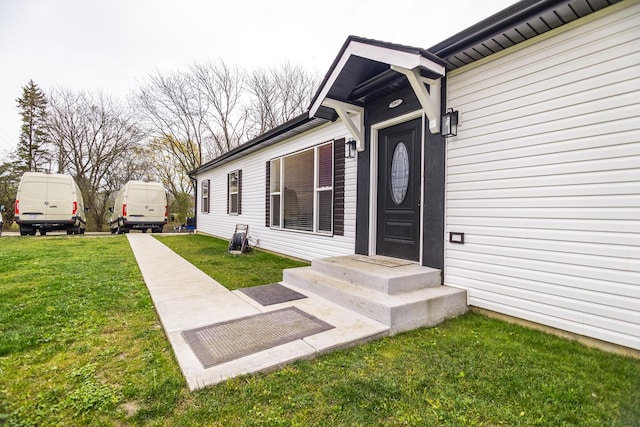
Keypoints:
pixel 390 97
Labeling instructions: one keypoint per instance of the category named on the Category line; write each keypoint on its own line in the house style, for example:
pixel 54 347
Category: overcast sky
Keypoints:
pixel 113 45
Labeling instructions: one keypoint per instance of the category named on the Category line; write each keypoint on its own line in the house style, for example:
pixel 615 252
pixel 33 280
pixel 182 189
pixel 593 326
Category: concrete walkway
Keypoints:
pixel 186 298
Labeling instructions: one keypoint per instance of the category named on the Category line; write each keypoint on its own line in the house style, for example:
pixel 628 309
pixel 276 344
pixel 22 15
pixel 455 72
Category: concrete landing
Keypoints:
pixel 397 293
pixel 185 298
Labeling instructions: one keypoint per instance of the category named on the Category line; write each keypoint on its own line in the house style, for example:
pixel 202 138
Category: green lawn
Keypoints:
pixel 80 344
pixel 232 271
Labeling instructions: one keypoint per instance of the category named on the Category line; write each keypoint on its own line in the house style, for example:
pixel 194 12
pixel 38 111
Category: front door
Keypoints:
pixel 399 160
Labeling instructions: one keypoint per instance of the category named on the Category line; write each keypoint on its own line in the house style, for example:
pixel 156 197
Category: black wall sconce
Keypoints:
pixel 350 148
pixel 450 123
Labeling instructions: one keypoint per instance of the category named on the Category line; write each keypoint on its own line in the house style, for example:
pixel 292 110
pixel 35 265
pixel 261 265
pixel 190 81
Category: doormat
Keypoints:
pixel 273 293
pixel 222 342
pixel 384 262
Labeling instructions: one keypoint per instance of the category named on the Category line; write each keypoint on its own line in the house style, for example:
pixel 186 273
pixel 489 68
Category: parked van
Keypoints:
pixel 2 209
pixel 48 202
pixel 139 206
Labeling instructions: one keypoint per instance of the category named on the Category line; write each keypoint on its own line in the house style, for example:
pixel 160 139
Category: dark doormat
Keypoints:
pixel 273 293
pixel 222 342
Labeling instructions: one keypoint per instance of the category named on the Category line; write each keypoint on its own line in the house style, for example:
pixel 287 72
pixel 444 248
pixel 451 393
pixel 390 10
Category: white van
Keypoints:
pixel 139 206
pixel 48 202
pixel 2 209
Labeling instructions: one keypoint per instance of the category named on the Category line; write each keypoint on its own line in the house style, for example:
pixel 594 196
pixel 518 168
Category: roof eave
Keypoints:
pixel 393 54
pixel 508 18
pixel 275 135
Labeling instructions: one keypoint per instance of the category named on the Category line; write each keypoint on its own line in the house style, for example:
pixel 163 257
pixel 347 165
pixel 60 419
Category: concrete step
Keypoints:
pixel 382 274
pixel 402 312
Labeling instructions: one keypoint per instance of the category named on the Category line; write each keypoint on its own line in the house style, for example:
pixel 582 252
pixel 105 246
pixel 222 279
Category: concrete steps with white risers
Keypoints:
pixel 404 297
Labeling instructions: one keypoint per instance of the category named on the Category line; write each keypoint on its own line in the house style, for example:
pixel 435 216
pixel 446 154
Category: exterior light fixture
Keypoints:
pixel 350 148
pixel 450 123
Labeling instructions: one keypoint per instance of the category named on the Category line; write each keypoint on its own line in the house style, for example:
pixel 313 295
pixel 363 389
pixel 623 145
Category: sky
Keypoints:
pixel 114 45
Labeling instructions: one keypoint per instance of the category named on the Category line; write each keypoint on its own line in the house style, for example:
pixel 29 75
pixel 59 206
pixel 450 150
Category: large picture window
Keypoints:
pixel 302 190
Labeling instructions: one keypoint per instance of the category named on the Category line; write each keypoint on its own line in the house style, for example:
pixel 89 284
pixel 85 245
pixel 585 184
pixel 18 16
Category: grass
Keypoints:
pixel 80 344
pixel 210 255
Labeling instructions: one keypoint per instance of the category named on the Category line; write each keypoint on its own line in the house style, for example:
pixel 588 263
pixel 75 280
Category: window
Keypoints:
pixel 301 190
pixel 205 196
pixel 234 187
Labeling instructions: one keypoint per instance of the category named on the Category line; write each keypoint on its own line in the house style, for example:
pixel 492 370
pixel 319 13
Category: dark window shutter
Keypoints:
pixel 208 195
pixel 267 200
pixel 239 191
pixel 338 187
pixel 228 197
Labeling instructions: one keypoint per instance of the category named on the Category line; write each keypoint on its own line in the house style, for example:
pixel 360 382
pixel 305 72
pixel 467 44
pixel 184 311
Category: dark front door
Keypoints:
pixel 399 160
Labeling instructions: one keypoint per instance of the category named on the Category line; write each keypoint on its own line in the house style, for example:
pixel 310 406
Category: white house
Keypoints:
pixel 532 207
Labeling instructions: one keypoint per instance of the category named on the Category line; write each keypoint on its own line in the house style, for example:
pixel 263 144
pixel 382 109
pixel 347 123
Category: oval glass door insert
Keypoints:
pixel 399 173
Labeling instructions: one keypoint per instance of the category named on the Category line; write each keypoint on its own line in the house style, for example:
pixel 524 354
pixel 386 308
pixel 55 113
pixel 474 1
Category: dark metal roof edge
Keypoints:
pixel 403 48
pixel 298 121
pixel 400 47
pixel 508 18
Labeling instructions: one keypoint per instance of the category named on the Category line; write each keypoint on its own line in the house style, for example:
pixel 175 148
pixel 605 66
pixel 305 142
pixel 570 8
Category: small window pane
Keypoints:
pixel 233 182
pixel 399 173
pixel 325 166
pixel 205 196
pixel 275 211
pixel 233 208
pixel 275 176
pixel 298 191
pixel 325 210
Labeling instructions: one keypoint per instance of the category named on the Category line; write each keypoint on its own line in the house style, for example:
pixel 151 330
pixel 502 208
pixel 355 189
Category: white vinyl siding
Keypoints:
pixel 298 244
pixel 544 179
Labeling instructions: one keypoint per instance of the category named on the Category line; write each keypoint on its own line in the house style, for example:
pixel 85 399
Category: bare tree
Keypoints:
pixel 96 140
pixel 167 168
pixel 172 110
pixel 221 90
pixel 278 94
pixel 207 110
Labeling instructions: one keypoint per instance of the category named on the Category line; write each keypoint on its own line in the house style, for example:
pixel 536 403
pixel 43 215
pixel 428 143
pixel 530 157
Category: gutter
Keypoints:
pixel 508 18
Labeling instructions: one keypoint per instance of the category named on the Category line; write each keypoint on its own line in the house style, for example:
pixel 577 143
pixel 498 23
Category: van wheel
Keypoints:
pixel 157 230
pixel 69 231
pixel 43 232
pixel 144 230
pixel 113 230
